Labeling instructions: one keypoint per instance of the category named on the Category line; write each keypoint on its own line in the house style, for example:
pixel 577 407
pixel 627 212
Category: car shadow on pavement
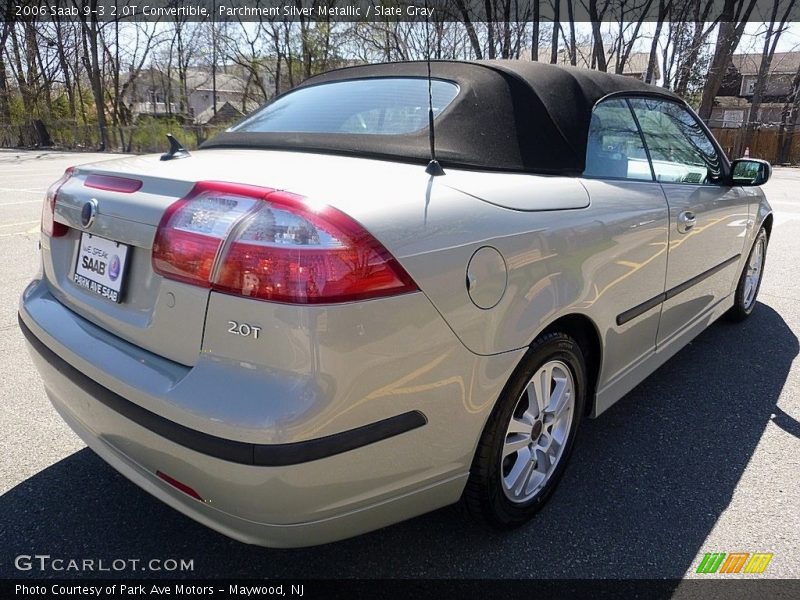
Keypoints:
pixel 648 481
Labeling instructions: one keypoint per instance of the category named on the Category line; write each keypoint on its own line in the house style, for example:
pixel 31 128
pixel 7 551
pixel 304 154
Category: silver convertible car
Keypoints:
pixel 309 328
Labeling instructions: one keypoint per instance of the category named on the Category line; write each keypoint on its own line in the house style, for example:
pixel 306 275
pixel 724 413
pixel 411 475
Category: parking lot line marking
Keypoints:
pixel 20 202
pixel 25 191
pixel 5 235
pixel 19 223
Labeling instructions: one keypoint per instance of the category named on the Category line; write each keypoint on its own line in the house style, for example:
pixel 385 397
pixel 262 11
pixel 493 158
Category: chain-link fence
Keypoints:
pixel 140 138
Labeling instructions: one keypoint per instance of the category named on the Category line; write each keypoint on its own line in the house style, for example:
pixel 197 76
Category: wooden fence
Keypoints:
pixel 766 143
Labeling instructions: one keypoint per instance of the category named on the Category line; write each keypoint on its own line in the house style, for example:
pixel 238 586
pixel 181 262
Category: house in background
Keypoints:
pixel 231 91
pixel 154 93
pixel 734 99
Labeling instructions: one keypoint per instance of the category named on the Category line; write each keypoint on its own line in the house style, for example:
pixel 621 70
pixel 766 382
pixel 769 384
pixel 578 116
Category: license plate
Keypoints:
pixel 100 267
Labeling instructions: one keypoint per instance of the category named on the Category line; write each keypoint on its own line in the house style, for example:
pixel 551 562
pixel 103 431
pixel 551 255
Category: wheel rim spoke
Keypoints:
pixel 520 426
pixel 515 445
pixel 537 431
pixel 560 398
pixel 512 480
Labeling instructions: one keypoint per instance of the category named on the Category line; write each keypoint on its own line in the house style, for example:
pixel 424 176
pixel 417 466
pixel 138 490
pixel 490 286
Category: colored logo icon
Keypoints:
pixel 113 268
pixel 736 562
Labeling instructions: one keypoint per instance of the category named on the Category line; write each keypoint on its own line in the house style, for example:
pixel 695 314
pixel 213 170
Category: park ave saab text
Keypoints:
pixel 124 589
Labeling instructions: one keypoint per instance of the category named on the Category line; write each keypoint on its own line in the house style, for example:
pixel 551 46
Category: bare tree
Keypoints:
pixel 134 58
pixel 734 18
pixel 5 32
pixel 664 7
pixel 91 58
pixel 596 14
pixel 689 31
pixel 556 4
pixel 535 29
pixel 789 116
pixel 772 35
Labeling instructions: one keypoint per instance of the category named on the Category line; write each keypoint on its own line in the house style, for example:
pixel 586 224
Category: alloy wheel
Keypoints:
pixel 538 431
pixel 754 270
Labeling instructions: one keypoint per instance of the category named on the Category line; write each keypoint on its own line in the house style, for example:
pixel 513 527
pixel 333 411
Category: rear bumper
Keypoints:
pixel 124 403
pixel 260 455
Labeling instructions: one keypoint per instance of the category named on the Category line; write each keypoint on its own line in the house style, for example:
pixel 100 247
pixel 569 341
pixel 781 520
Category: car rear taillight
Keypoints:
pixel 192 230
pixel 49 225
pixel 273 245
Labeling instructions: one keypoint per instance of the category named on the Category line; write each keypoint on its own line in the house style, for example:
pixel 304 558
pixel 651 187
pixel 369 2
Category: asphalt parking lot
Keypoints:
pixel 702 457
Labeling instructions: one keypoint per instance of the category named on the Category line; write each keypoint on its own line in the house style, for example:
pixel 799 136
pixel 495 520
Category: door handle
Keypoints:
pixel 686 220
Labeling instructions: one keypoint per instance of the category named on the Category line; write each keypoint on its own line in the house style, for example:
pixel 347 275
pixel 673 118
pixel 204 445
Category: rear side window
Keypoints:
pixel 386 106
pixel 615 149
pixel 679 147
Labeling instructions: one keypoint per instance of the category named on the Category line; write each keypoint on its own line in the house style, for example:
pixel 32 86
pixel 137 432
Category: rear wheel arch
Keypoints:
pixel 585 332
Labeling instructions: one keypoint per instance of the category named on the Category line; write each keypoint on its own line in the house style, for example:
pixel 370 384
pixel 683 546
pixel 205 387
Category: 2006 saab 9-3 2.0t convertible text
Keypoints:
pixel 301 332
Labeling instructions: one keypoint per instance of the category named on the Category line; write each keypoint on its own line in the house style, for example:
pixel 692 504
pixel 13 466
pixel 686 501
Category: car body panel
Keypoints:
pixel 722 214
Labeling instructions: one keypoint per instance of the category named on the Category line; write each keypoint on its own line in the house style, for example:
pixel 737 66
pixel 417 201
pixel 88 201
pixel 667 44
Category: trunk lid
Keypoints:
pixel 161 315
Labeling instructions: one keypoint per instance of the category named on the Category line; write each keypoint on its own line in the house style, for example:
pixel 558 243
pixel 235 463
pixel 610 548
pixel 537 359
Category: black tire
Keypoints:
pixel 741 309
pixel 484 497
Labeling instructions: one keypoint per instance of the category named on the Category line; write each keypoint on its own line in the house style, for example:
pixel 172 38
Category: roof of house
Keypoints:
pixel 202 79
pixel 196 79
pixel 507 115
pixel 226 112
pixel 782 62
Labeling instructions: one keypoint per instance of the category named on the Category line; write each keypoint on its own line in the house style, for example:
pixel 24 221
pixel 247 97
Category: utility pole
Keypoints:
pixel 214 58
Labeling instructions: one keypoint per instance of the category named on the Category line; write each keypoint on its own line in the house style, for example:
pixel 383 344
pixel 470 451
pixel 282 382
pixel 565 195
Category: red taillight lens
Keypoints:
pixel 192 230
pixel 281 248
pixel 49 225
pixel 111 183
pixel 289 251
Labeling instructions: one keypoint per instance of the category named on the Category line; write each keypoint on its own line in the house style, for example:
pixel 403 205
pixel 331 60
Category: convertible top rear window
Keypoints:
pixel 387 106
pixel 512 115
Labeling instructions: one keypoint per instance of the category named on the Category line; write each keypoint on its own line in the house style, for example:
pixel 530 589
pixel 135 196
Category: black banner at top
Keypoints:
pixel 475 11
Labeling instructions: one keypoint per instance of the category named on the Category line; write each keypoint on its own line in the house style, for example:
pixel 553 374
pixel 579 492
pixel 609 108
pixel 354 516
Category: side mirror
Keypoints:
pixel 750 171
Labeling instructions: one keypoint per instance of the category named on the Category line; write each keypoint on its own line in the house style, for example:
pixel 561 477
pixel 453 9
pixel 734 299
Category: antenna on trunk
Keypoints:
pixel 434 169
pixel 176 149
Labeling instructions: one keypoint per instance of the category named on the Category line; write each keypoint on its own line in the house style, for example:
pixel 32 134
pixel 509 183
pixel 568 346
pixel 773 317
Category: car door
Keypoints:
pixel 708 217
pixel 629 274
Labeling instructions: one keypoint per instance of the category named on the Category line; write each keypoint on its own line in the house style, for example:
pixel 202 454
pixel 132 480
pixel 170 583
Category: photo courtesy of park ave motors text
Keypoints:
pixel 445 290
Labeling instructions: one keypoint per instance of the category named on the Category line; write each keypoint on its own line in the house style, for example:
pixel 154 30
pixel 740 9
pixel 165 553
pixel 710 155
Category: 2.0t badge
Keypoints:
pixel 244 329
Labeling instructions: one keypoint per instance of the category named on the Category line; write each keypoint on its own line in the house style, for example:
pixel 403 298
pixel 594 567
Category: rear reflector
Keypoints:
pixel 113 184
pixel 273 245
pixel 49 225
pixel 179 486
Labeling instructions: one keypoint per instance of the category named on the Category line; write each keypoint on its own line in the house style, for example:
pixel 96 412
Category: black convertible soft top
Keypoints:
pixel 508 115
